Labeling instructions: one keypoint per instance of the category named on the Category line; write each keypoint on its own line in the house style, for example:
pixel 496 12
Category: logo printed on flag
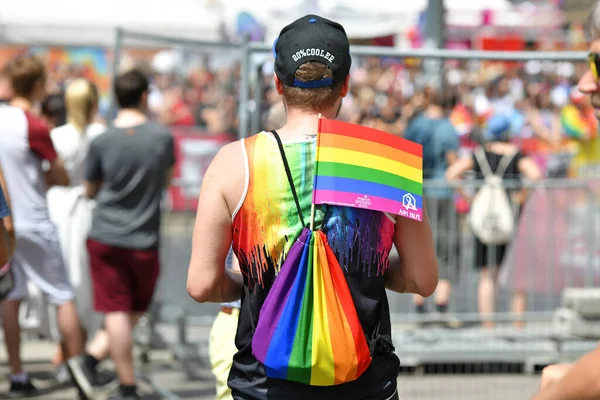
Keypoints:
pixel 368 168
pixel 409 201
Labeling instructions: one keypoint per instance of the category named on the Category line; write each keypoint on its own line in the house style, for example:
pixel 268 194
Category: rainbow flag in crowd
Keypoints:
pixel 368 168
pixel 308 330
pixel 579 124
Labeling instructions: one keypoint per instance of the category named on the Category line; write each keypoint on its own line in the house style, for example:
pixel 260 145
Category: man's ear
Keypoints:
pixel 278 84
pixel 346 86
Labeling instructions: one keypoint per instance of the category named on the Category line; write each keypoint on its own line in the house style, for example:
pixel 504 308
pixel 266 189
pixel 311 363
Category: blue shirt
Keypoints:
pixel 4 210
pixel 438 137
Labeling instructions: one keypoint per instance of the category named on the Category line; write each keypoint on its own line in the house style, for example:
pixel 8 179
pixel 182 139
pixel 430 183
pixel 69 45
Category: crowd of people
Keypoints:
pixel 546 109
pixel 86 197
pixel 58 165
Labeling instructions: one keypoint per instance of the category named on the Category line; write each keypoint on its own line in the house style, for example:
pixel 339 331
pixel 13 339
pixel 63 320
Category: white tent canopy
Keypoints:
pixel 77 22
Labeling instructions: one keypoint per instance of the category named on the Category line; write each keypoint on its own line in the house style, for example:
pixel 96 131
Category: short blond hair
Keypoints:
pixel 314 99
pixel 24 73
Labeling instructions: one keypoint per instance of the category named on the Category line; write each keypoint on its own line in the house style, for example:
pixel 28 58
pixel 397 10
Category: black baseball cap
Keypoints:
pixel 312 38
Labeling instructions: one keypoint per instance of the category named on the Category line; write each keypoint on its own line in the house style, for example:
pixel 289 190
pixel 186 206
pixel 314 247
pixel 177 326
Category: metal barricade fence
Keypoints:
pixel 250 100
pixel 555 247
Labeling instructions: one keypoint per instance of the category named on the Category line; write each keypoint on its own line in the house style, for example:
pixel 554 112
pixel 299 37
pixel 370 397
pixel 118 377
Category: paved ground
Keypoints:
pixel 163 379
pixel 168 381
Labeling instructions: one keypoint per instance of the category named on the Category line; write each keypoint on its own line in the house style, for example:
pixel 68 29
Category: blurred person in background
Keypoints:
pixel 25 144
pixel 7 232
pixel 579 380
pixel 276 116
pixel 435 132
pixel 175 111
pixel 6 92
pixel 127 169
pixel 53 111
pixel 579 121
pixel 501 99
pixel 496 147
pixel 7 240
pixel 221 345
pixel 246 201
pixel 578 117
pixel 411 109
pixel 69 207
pixel 544 119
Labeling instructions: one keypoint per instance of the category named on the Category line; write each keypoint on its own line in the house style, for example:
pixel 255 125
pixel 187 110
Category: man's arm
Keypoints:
pixel 7 234
pixel 451 145
pixel 207 280
pixel 171 160
pixel 456 171
pixel 92 188
pixel 416 271
pixel 57 174
pixel 41 144
pixel 5 249
pixel 93 170
pixel 580 382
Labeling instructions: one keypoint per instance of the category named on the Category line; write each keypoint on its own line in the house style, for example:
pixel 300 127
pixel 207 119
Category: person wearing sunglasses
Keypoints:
pixel 579 380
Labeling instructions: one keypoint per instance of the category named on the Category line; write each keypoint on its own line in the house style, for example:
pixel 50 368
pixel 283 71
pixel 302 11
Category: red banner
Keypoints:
pixel 194 151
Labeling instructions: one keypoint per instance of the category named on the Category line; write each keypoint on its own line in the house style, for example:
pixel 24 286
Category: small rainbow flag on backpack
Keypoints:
pixel 368 168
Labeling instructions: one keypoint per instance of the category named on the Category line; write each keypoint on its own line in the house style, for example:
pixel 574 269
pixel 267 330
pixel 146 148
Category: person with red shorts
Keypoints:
pixel 127 169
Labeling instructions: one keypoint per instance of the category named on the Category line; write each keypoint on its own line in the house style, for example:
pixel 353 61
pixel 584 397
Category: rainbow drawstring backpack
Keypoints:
pixel 308 329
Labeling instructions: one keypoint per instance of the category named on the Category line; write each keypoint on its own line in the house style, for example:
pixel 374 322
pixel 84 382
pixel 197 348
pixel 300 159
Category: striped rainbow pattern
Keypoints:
pixel 577 124
pixel 308 329
pixel 368 168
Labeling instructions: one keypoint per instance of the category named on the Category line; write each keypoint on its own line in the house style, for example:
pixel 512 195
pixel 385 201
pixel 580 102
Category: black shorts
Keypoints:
pixel 488 256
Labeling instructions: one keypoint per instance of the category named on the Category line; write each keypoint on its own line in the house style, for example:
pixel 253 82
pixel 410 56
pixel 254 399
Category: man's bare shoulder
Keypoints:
pixel 230 154
pixel 228 173
pixel 228 165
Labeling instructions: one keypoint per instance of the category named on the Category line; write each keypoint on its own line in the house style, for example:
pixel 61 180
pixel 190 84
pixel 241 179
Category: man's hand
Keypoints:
pixel 552 374
pixel 92 188
pixel 577 381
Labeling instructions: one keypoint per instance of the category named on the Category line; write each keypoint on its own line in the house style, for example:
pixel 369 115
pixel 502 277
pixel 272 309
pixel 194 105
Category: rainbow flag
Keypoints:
pixel 368 168
pixel 577 124
pixel 308 329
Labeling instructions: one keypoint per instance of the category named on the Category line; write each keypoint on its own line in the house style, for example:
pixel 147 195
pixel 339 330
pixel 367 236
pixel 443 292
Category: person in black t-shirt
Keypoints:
pixel 496 145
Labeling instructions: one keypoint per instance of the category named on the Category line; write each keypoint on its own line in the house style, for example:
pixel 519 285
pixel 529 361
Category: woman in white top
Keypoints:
pixel 69 207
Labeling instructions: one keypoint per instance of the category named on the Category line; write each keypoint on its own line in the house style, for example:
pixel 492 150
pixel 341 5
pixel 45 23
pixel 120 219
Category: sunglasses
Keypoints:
pixel 594 62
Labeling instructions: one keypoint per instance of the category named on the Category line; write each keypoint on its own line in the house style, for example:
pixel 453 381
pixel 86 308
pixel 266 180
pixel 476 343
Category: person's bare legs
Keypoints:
pixel 119 326
pixel 419 301
pixel 70 329
pixel 99 346
pixel 486 295
pixel 59 356
pixel 420 308
pixel 12 334
pixel 443 292
pixel 518 307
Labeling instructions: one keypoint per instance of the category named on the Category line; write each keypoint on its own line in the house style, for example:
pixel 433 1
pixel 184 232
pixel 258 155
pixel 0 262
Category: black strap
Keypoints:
pixel 289 175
